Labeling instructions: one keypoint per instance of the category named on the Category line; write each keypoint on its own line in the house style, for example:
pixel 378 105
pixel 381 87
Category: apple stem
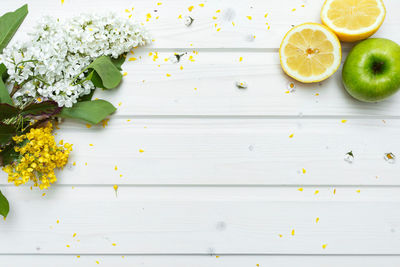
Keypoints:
pixel 377 67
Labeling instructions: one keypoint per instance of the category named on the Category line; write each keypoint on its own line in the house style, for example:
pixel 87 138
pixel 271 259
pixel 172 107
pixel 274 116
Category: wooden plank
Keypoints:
pixel 170 32
pixel 199 261
pixel 231 151
pixel 202 220
pixel 207 87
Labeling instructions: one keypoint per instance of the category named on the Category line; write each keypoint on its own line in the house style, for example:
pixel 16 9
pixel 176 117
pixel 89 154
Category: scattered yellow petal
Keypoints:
pixel 116 168
pixel 43 194
pixel 90 144
pixel 105 122
pixel 132 59
pixel 202 5
pixel 218 11
pixel 280 237
pixel 293 232
pixel 125 73
pixel 317 220
pixel 119 104
pixel 127 10
pixel 62 1
pixel 114 244
pixel 300 189
pixel 218 29
pixel 316 192
pixel 180 16
pixel 249 17
pixel 324 246
pixel 74 235
pixel 97 262
pixel 120 175
pixel 358 191
pixel 130 16
pixel 195 88
pixel 240 59
pixel 291 136
pixel 85 163
pixel 58 221
pixel 181 67
pixel 159 4
pixel 266 15
pixel 68 246
pixel 74 163
pixel 344 121
pixel 293 9
pixel 214 17
pixel 141 150
pixel 115 187
pixel 217 257
pixel 128 120
pixel 190 8
pixel 168 75
pixel 334 191
pixel 233 23
pixel 88 125
pixel 304 171
pixel 78 256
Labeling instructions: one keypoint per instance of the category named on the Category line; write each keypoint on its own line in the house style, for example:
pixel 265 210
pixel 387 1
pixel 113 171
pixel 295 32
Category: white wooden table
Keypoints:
pixel 220 181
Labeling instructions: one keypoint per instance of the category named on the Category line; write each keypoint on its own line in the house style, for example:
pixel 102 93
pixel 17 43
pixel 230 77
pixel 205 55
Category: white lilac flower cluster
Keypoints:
pixel 48 66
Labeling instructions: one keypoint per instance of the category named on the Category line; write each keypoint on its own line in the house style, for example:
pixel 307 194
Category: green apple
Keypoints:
pixel 371 72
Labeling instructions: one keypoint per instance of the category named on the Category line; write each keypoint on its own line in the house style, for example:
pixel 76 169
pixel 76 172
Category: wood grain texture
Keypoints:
pixel 202 220
pixel 199 261
pixel 231 151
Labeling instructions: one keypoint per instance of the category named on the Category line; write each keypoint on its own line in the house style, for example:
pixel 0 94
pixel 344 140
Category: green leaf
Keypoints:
pixel 6 133
pixel 106 74
pixel 40 111
pixel 90 111
pixel 119 61
pixel 9 24
pixel 7 111
pixel 4 95
pixel 8 155
pixel 87 97
pixel 4 205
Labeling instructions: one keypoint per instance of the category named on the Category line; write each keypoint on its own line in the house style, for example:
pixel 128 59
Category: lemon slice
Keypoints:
pixel 353 20
pixel 310 53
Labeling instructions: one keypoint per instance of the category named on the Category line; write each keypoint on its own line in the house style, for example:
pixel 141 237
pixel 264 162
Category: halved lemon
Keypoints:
pixel 310 52
pixel 353 20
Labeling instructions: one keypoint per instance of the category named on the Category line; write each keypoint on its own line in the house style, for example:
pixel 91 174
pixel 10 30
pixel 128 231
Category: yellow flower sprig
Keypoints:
pixel 39 156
